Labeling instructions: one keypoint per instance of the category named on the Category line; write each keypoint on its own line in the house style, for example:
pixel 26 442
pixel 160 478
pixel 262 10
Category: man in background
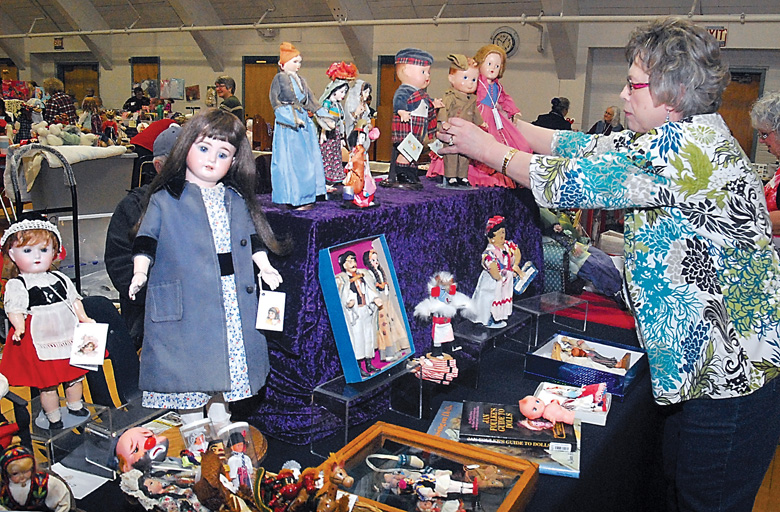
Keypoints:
pixel 226 89
pixel 119 240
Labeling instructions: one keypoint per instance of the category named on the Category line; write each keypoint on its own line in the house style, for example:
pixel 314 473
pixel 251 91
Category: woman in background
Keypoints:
pixel 765 116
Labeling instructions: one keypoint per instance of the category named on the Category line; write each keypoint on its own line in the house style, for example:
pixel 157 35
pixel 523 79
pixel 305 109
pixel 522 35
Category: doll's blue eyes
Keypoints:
pixel 221 155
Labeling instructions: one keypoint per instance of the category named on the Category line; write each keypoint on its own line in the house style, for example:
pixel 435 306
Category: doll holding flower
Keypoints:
pixel 44 308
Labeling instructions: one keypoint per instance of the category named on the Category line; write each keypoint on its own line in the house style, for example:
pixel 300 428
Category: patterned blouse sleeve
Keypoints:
pixel 595 171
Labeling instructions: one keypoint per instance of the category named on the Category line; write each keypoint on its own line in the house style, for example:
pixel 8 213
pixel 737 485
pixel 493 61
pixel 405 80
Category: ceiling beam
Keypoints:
pixel 359 39
pixel 563 37
pixel 82 15
pixel 14 48
pixel 201 13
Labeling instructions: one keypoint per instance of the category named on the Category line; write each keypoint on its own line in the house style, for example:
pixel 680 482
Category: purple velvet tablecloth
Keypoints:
pixel 428 231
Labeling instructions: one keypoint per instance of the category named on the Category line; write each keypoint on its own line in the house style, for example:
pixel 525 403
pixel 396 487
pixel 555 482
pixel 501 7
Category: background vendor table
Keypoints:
pixel 426 231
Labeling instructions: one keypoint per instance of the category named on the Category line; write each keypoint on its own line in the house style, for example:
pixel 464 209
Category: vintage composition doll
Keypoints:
pixel 498 111
pixel 533 409
pixel 240 464
pixel 356 107
pixel 459 101
pixel 24 488
pixel 44 308
pixel 392 339
pixel 443 304
pixel 331 119
pixel 413 112
pixel 492 299
pixel 138 448
pixel 360 302
pixel 297 175
pixel 359 176
pixel 201 232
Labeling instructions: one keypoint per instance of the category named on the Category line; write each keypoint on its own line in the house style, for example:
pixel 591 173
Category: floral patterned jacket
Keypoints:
pixel 702 275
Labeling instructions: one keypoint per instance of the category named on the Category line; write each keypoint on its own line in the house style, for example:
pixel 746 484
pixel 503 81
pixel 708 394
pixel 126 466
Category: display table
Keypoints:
pixel 427 231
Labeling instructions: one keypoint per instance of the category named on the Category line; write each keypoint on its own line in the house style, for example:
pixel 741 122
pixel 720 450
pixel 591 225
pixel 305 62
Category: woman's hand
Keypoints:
pixel 467 139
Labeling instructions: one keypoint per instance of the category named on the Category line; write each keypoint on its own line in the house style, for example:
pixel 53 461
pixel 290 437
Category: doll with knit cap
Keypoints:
pixel 297 174
pixel 44 308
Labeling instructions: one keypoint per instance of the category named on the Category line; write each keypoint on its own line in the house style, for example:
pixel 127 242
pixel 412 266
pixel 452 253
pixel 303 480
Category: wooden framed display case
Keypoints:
pixel 394 450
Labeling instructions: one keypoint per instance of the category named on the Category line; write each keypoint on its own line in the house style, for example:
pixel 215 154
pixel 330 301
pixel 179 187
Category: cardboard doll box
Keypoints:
pixel 541 365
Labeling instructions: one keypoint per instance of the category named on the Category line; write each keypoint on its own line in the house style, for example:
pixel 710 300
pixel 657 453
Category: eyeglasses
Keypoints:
pixel 763 135
pixel 632 86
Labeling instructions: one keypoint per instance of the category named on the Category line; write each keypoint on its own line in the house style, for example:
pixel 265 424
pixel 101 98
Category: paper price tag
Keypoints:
pixel 270 311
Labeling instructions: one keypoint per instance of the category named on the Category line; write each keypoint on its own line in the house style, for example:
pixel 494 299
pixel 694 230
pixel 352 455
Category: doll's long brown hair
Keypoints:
pixel 224 126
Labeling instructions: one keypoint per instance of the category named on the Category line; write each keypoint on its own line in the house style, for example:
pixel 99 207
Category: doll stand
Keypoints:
pixel 337 397
pixel 552 303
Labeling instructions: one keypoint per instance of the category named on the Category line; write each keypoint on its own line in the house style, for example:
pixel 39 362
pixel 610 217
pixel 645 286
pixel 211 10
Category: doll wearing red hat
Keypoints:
pixel 44 308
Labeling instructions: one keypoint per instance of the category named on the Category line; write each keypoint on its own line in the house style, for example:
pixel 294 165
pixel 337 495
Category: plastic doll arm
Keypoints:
pixel 268 273
pixel 78 308
pixel 438 103
pixel 141 266
pixel 405 115
pixel 17 320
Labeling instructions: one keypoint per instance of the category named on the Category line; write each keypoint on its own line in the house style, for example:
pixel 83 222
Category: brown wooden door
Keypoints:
pixel 259 72
pixel 388 83
pixel 77 78
pixel 738 97
pixel 8 70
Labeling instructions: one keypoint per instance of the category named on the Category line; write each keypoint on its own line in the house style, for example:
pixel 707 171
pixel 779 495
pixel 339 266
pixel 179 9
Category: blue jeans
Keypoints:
pixel 716 452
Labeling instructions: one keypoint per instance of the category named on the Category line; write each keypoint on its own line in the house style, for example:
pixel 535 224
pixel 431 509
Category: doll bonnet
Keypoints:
pixel 26 224
pixel 13 454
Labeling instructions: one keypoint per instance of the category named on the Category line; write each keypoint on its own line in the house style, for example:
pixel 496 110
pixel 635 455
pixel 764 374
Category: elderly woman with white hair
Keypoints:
pixel 610 123
pixel 765 116
pixel 699 263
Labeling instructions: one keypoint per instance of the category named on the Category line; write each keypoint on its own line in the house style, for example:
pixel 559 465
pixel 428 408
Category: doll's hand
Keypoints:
pixel 88 320
pixel 271 277
pixel 405 116
pixel 438 103
pixel 136 284
pixel 18 333
pixel 516 117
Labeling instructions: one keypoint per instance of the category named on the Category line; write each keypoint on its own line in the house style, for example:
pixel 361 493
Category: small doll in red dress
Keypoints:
pixel 44 308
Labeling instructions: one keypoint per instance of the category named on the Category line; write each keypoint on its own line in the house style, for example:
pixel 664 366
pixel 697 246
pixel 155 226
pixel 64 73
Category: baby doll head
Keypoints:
pixel 32 244
pixel 464 73
pixel 17 465
pixel 531 407
pixel 491 59
pixel 413 67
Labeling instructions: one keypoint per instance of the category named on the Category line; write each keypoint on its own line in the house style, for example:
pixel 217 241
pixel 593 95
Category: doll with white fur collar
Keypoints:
pixel 443 304
pixel 44 308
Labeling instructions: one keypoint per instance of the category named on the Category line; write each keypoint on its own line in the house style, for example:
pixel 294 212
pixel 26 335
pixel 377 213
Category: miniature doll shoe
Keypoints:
pixel 56 425
pixel 370 367
pixel 79 412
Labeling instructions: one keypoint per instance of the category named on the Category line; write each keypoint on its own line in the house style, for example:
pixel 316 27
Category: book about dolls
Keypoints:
pixel 446 425
pixel 485 422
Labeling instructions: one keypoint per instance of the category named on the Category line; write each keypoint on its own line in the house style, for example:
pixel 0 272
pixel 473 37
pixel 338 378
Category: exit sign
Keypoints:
pixel 719 33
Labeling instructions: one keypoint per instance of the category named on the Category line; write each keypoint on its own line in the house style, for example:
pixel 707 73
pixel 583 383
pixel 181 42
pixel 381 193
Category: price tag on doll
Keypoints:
pixel 88 349
pixel 497 119
pixel 270 311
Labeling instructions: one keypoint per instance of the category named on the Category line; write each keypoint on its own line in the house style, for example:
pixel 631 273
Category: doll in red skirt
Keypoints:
pixel 44 308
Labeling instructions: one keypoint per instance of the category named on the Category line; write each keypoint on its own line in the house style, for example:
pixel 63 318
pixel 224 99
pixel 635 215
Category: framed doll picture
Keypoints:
pixel 365 307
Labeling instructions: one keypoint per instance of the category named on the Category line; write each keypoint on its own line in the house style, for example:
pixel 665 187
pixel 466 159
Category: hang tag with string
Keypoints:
pixel 270 310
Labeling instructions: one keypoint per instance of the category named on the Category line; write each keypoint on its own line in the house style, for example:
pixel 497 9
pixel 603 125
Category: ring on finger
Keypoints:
pixel 452 140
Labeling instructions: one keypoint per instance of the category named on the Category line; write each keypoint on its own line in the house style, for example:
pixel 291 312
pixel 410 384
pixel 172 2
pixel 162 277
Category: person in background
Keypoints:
pixel 59 108
pixel 137 101
pixel 765 116
pixel 144 147
pixel 699 263
pixel 119 243
pixel 556 118
pixel 610 123
pixel 226 89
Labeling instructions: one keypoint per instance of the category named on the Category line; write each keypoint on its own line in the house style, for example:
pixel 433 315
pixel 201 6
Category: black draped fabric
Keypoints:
pixel 427 231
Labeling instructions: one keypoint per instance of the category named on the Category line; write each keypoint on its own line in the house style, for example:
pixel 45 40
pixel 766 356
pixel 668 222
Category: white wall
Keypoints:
pixel 530 76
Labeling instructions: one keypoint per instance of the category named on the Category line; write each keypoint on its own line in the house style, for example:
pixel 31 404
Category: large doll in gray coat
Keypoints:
pixel 196 244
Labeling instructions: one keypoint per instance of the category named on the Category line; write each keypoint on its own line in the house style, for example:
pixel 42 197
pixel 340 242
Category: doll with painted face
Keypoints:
pixel 358 175
pixel 138 448
pixel 201 244
pixel 44 308
pixel 459 100
pixel 492 298
pixel 24 488
pixel 413 112
pixel 499 112
pixel 356 107
pixel 297 174
pixel 533 409
pixel 441 307
pixel 331 119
